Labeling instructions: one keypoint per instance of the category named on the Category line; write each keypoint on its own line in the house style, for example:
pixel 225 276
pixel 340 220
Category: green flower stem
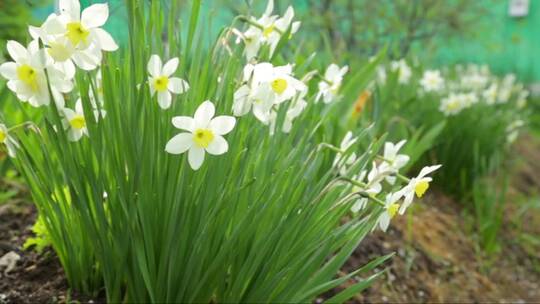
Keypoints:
pixel 22 125
pixel 403 178
pixel 333 148
pixel 251 22
pixel 363 193
pixel 324 79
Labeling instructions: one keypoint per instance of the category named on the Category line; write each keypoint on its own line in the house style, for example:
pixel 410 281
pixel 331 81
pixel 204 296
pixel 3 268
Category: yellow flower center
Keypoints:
pixel 161 83
pixel 3 136
pixel 77 122
pixel 453 105
pixel 421 188
pixel 59 51
pixel 268 31
pixel 28 75
pixel 335 89
pixel 279 85
pixel 393 209
pixel 76 33
pixel 203 137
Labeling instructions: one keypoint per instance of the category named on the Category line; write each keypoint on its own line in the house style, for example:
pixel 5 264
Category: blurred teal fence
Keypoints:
pixel 507 44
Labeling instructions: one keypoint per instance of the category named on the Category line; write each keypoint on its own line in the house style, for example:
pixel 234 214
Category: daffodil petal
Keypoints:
pixel 170 67
pixel 17 51
pixel 9 70
pixel 222 124
pixel 184 123
pixel 204 114
pixel 105 40
pixel 179 143
pixel 72 8
pixel 164 99
pixel 95 15
pixel 218 146
pixel 427 170
pixel 177 85
pixel 195 157
pixel 87 60
pixel 154 66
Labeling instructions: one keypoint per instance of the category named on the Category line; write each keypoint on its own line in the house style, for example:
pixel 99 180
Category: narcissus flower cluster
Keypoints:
pixel 384 173
pixel 65 41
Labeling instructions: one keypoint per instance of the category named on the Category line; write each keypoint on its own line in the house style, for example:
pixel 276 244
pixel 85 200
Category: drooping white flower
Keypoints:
pixel 372 186
pixel 204 134
pixel 160 80
pixel 347 142
pixel 512 130
pixel 8 141
pixel 432 81
pixel 417 185
pixel 298 106
pixel 267 30
pixel 84 29
pixel 390 209
pixel 26 75
pixel 330 85
pixel 469 99
pixel 403 70
pixel 97 110
pixel 522 98
pixel 490 94
pixel 393 161
pixel 452 104
pixel 474 77
pixel 75 123
pixel 381 75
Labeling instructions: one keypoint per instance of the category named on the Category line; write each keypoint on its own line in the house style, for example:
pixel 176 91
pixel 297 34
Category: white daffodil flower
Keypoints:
pixel 403 70
pixel 9 142
pixel 99 113
pixel 372 186
pixel 265 86
pixel 512 130
pixel 330 85
pixel 361 202
pixel 284 86
pixel 27 79
pixel 417 185
pixel 432 81
pixel 490 94
pixel 522 98
pixel 294 111
pixel 204 134
pixel 470 99
pixel 160 80
pixel 51 33
pixel 474 77
pixel 267 30
pixel 393 161
pixel 61 50
pixel 390 209
pixel 84 29
pixel 381 75
pixel 504 94
pixel 452 104
pixel 75 123
pixel 347 142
